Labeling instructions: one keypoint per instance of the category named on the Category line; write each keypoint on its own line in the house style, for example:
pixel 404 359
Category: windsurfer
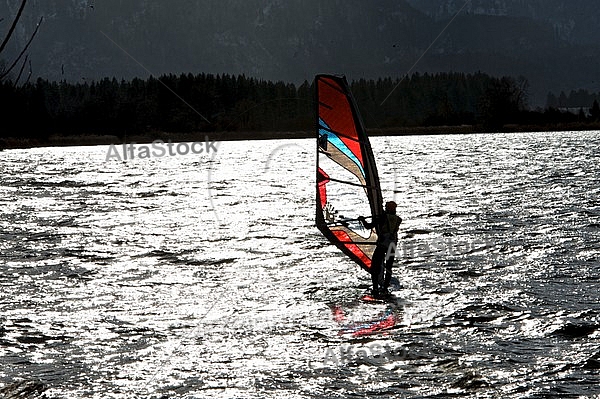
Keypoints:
pixel 386 225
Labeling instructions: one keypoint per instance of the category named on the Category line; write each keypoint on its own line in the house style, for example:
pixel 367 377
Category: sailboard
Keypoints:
pixel 347 183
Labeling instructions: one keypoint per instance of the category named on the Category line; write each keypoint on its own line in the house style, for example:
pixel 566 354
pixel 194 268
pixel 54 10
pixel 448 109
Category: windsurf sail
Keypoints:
pixel 347 181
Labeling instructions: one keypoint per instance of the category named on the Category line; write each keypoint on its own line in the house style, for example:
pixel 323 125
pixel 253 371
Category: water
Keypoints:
pixel 200 277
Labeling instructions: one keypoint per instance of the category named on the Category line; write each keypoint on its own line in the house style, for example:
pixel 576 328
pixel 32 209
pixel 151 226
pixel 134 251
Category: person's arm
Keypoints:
pixel 399 223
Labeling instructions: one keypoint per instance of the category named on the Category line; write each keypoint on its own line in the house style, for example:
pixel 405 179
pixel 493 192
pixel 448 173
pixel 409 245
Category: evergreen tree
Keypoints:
pixel 595 111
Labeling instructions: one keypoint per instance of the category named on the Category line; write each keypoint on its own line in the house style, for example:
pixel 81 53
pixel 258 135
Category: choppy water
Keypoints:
pixel 196 278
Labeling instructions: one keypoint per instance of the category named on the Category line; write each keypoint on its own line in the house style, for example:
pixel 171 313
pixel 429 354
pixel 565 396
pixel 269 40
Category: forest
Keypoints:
pixel 229 103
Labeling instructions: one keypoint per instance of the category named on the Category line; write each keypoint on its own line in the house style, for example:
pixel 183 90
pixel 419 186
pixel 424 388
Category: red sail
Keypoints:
pixel 347 180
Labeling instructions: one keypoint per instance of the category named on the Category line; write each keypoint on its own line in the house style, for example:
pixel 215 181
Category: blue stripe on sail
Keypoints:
pixel 339 144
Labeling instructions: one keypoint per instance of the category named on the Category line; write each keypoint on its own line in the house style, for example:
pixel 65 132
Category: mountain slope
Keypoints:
pixel 550 42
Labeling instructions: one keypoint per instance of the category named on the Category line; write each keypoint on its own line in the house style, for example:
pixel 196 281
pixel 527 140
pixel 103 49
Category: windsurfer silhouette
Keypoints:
pixel 386 225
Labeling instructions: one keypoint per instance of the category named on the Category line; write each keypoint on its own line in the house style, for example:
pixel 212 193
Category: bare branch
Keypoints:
pixel 2 76
pixel 13 26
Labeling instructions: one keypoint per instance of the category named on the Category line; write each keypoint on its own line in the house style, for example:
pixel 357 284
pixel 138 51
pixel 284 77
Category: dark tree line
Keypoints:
pixel 235 103
pixel 575 99
pixel 442 99
pixel 579 106
pixel 240 103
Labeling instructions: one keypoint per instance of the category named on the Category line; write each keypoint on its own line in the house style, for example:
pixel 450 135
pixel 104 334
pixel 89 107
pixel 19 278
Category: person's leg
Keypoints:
pixel 389 262
pixel 388 272
pixel 376 266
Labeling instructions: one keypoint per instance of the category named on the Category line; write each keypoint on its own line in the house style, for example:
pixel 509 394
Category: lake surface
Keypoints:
pixel 203 276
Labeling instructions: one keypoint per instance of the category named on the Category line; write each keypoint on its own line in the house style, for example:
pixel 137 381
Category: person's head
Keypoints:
pixel 390 207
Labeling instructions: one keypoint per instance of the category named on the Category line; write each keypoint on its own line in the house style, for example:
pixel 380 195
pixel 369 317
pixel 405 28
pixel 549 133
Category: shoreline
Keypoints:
pixel 57 140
